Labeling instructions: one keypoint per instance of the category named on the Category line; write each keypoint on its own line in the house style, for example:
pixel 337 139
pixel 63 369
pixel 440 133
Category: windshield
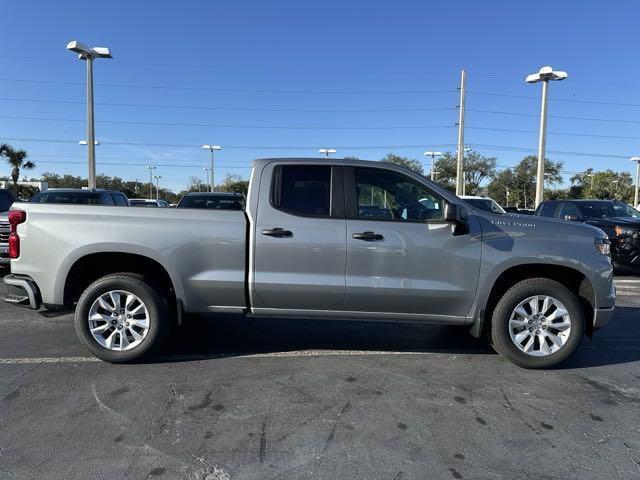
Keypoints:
pixel 221 202
pixel 84 198
pixel 607 210
pixel 5 201
pixel 486 204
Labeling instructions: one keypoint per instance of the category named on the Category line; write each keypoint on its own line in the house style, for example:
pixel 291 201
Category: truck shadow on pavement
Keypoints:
pixel 207 337
pixel 211 337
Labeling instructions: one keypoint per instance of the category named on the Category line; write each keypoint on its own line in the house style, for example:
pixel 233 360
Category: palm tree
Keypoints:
pixel 17 159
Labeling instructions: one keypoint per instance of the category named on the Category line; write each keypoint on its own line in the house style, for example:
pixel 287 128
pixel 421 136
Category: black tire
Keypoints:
pixel 156 306
pixel 501 339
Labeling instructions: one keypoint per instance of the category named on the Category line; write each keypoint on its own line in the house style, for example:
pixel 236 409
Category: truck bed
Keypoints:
pixel 203 251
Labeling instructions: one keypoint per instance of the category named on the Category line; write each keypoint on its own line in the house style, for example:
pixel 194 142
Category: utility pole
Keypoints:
pixel 459 170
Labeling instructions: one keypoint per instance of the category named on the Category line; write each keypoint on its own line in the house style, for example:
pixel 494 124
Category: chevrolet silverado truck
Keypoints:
pixel 326 239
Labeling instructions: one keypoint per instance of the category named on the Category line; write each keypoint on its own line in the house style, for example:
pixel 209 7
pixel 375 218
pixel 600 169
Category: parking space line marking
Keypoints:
pixel 29 360
pixel 195 357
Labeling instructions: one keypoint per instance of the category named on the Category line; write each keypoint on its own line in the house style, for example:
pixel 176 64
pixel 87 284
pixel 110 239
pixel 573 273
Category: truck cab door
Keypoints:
pixel 402 257
pixel 299 245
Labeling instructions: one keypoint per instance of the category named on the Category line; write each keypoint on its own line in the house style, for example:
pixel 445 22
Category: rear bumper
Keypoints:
pixel 23 291
pixel 601 317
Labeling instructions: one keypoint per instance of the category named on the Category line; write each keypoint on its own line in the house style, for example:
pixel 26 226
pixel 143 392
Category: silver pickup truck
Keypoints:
pixel 337 239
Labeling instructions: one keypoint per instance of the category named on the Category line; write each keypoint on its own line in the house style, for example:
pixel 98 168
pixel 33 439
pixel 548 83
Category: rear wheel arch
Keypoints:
pixel 91 267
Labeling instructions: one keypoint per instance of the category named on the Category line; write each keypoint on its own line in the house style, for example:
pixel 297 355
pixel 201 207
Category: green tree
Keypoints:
pixel 406 162
pixel 17 159
pixel 520 182
pixel 233 183
pixel 605 184
pixel 477 168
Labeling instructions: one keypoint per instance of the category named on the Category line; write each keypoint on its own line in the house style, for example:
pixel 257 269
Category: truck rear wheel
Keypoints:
pixel 121 318
pixel 538 323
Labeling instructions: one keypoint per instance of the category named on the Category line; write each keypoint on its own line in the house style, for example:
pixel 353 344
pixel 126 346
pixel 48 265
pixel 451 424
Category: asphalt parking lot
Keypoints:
pixel 258 399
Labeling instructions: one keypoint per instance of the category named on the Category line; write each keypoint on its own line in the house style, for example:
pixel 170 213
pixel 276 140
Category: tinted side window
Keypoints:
pixel 119 200
pixel 547 209
pixel 105 199
pixel 386 195
pixel 303 190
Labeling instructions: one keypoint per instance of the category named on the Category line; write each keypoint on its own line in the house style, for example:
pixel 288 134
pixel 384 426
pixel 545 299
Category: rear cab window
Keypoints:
pixel 303 190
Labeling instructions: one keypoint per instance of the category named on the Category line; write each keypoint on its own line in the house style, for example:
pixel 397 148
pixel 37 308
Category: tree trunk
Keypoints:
pixel 15 175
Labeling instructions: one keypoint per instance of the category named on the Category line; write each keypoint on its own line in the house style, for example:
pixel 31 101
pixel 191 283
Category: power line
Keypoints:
pixel 564 117
pixel 164 165
pixel 569 100
pixel 216 125
pixel 231 90
pixel 571 134
pixel 241 109
pixel 313 147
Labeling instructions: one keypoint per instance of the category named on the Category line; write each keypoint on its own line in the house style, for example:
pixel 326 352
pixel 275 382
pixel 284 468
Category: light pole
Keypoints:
pixel 89 54
pixel 327 151
pixel 615 187
pixel 544 75
pixel 636 202
pixel 507 197
pixel 212 148
pixel 433 155
pixel 151 169
pixel 157 177
pixel 207 170
pixel 591 187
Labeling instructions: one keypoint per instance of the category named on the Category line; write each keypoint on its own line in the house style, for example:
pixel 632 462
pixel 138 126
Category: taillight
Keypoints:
pixel 16 217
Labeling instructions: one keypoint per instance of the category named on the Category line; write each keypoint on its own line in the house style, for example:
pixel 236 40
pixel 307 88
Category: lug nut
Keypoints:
pixel 531 329
pixel 113 322
pixel 537 332
pixel 530 321
pixel 128 316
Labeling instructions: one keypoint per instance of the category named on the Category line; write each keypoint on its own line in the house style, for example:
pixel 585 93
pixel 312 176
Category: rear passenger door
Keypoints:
pixel 299 246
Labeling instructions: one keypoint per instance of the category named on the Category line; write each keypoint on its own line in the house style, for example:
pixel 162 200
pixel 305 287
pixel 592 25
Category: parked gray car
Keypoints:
pixel 341 239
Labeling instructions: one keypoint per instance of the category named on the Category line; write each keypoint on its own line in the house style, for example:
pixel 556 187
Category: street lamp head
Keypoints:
pixel 84 142
pixel 151 167
pixel 327 150
pixel 546 74
pixel 433 154
pixel 212 147
pixel 84 52
pixel 635 159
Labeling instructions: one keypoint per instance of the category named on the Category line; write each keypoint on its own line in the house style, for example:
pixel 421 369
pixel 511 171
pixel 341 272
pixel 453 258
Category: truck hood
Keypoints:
pixel 535 225
pixel 612 222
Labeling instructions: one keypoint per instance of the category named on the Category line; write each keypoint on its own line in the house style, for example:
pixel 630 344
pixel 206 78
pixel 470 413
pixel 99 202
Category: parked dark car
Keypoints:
pixel 618 220
pixel 82 197
pixel 213 200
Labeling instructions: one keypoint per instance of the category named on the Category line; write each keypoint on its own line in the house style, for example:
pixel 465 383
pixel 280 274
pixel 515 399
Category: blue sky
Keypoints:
pixel 331 73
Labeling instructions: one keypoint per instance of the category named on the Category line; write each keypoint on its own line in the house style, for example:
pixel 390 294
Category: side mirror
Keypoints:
pixel 458 216
pixel 571 218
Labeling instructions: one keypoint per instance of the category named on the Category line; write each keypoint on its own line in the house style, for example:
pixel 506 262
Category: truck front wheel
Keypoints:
pixel 121 318
pixel 538 323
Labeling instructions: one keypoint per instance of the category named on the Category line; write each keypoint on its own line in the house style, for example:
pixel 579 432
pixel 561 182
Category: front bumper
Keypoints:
pixel 23 291
pixel 601 317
